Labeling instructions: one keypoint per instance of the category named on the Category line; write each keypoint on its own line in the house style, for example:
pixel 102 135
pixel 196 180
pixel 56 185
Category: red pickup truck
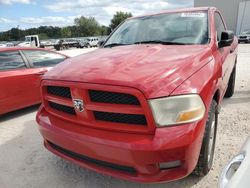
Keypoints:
pixel 144 107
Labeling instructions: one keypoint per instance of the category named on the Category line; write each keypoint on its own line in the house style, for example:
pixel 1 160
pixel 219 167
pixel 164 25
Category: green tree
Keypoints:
pixel 87 26
pixel 65 32
pixel 43 36
pixel 4 36
pixel 74 31
pixel 14 34
pixel 118 18
pixel 104 30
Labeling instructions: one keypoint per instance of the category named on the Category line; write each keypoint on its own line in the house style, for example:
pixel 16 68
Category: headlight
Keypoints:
pixel 177 110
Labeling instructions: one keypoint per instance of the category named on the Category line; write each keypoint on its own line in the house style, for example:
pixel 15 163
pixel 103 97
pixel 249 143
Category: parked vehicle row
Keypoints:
pixel 7 44
pixel 59 44
pixel 88 43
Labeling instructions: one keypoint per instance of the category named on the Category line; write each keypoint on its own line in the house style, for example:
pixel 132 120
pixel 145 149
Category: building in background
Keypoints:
pixel 235 12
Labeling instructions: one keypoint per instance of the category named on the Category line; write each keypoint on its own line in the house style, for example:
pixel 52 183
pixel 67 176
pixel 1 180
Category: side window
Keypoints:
pixel 11 60
pixel 219 26
pixel 44 58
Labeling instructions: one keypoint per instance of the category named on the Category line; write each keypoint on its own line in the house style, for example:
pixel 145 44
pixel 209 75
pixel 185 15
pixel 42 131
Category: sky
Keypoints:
pixel 34 13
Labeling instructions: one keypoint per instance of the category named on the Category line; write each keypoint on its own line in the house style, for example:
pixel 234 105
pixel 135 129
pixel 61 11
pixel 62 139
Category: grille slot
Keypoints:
pixel 62 108
pixel 93 161
pixel 59 91
pixel 112 97
pixel 120 118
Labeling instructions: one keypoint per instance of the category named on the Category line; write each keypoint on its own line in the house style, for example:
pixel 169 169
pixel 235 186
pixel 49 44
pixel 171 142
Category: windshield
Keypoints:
pixel 27 39
pixel 175 28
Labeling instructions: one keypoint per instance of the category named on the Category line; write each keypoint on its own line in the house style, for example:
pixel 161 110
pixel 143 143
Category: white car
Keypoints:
pixel 244 37
pixel 93 42
pixel 237 173
pixel 9 44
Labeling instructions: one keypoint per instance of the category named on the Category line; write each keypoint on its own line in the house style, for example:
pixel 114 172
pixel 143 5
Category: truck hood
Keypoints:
pixel 156 70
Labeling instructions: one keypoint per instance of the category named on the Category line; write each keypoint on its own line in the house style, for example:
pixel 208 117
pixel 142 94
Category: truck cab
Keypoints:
pixel 30 41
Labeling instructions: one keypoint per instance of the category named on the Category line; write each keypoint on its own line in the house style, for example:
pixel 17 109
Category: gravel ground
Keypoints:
pixel 25 163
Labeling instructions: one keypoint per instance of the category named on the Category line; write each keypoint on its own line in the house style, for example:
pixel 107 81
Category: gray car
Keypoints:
pixel 244 37
pixel 236 173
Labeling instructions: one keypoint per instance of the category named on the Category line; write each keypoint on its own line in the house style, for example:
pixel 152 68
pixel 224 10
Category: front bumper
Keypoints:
pixel 143 153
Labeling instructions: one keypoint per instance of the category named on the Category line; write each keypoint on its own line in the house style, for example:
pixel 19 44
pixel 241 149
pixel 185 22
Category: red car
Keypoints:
pixel 145 106
pixel 21 70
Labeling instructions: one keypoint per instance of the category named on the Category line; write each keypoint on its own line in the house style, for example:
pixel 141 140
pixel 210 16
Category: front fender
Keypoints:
pixel 205 82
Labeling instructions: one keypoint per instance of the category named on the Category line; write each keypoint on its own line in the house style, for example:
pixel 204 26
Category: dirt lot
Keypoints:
pixel 25 163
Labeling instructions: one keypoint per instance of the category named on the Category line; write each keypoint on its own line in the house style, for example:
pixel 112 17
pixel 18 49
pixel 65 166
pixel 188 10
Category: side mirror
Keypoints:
pixel 100 43
pixel 227 38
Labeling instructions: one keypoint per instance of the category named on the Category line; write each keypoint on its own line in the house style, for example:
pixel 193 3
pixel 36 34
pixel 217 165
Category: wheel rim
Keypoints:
pixel 211 142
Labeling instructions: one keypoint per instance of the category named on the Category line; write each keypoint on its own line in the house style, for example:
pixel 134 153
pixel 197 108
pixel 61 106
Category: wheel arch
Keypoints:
pixel 216 96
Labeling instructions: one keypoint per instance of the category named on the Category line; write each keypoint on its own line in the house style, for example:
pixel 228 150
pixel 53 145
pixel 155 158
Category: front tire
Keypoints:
pixel 231 84
pixel 205 160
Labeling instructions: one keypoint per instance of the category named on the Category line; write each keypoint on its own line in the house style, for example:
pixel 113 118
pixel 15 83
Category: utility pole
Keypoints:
pixel 18 32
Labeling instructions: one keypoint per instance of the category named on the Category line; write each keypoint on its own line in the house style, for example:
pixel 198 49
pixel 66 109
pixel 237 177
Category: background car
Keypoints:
pixel 102 40
pixel 93 41
pixel 88 42
pixel 7 44
pixel 21 70
pixel 236 173
pixel 244 37
pixel 83 43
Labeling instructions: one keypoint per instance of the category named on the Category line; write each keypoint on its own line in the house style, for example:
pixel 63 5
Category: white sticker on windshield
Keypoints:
pixel 193 14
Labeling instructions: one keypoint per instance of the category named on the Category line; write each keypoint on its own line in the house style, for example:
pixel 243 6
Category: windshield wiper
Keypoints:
pixel 160 42
pixel 113 45
pixel 146 42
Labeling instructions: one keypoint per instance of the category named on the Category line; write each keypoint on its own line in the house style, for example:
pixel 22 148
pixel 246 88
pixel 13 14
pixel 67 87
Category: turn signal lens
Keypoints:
pixel 190 115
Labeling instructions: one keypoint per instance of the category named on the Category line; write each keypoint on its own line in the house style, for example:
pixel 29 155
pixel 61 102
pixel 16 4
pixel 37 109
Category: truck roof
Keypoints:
pixel 176 11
